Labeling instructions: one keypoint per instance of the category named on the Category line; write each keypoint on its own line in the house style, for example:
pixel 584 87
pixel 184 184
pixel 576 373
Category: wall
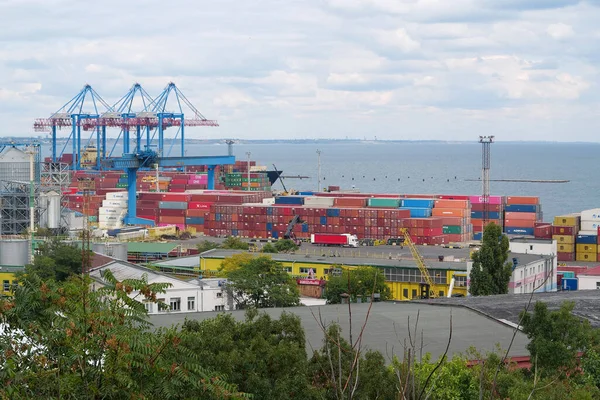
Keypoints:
pixel 544 249
pixel 588 282
pixel 526 278
pixel 6 276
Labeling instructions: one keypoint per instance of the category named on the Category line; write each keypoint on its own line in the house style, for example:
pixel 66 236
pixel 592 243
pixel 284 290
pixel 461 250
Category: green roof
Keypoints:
pixel 145 247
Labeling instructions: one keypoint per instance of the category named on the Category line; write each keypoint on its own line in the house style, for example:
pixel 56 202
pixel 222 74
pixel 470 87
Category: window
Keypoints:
pixel 149 307
pixel 530 247
pixel 219 294
pixel 305 270
pixel 405 293
pixel 191 303
pixel 414 293
pixel 14 286
pixel 441 293
pixel 175 303
pixel 219 308
pixel 6 286
pixel 597 285
pixel 162 307
pixel 288 269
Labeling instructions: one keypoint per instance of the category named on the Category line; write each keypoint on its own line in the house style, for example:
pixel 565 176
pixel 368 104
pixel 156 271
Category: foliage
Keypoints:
pixel 55 260
pixel 555 337
pixel 234 243
pixel 262 282
pixel 269 248
pixel 361 281
pixel 263 356
pixel 206 245
pixel 491 272
pixel 61 340
pixel 234 262
pixel 285 246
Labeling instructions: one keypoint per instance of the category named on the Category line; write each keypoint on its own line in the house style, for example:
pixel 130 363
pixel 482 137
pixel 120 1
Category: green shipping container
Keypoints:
pixel 453 229
pixel 384 202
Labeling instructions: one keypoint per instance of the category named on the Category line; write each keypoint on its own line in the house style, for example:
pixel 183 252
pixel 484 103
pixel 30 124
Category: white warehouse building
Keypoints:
pixel 535 266
pixel 195 295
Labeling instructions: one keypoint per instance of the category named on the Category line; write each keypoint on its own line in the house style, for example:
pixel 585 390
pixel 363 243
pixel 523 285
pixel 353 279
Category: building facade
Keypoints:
pixel 545 279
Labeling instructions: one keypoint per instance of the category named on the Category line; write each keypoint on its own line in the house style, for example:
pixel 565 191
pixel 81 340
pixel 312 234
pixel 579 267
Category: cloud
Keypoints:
pixel 318 67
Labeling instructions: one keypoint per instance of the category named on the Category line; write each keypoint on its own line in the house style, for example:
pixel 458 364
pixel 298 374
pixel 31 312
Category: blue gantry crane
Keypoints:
pixel 132 162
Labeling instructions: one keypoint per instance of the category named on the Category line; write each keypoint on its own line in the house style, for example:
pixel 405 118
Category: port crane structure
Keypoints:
pixel 136 115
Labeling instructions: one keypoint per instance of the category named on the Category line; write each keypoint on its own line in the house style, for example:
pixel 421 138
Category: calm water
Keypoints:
pixel 436 168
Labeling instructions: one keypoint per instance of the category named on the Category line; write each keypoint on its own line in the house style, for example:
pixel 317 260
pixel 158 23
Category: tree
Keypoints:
pixel 233 263
pixel 285 246
pixel 234 243
pixel 556 337
pixel 55 260
pixel 206 245
pixel 361 281
pixel 491 272
pixel 262 282
pixel 269 248
pixel 263 356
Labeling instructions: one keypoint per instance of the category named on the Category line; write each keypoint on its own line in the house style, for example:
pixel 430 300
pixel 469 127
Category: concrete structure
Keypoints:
pixel 589 279
pixel 195 295
pixel 387 323
pixel 535 274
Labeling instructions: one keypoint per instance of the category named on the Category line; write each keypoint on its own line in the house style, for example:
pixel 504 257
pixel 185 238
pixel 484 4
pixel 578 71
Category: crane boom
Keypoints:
pixel 419 259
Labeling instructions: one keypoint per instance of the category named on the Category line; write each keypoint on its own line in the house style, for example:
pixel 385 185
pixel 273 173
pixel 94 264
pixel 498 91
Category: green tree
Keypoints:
pixel 491 272
pixel 285 246
pixel 206 245
pixel 556 337
pixel 262 356
pixel 361 281
pixel 262 282
pixel 234 243
pixel 55 260
pixel 61 340
pixel 268 248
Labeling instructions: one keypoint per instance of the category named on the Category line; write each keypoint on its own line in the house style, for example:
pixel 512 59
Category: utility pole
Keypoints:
pixel 486 142
pixel 31 151
pixel 248 154
pixel 318 170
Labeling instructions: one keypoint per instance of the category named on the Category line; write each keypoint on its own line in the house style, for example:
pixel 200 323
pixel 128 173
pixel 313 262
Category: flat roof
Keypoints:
pixel 387 326
pixel 345 260
pixel 525 259
pixel 523 239
pixel 148 247
pixel 509 306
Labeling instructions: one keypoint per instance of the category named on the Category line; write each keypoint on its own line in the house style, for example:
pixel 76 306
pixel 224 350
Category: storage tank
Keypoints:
pixel 111 249
pixel 14 252
pixel 50 204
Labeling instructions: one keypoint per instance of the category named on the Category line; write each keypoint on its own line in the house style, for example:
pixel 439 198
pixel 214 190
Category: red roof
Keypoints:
pixel 591 271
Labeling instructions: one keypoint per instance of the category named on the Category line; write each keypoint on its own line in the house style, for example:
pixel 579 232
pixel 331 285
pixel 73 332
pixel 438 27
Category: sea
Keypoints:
pixel 433 168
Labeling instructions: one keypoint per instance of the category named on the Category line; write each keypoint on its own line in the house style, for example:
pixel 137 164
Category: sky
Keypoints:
pixel 297 69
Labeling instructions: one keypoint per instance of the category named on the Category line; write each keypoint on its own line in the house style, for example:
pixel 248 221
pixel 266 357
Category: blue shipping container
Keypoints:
pixel 586 239
pixel 518 231
pixel 333 212
pixel 234 232
pixel 478 236
pixel 304 227
pixel 416 212
pixel 479 215
pixel 306 193
pixel 570 284
pixel 217 217
pixel 291 200
pixel 275 234
pixel 269 210
pixel 418 203
pixel 323 220
pixel 530 208
pixel 269 226
pixel 194 221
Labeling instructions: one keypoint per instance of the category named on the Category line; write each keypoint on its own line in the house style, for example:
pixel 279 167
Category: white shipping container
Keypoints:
pixel 588 233
pixel 105 218
pixel 590 225
pixel 319 201
pixel 110 210
pixel 269 200
pixel 116 195
pixel 114 203
pixel 591 215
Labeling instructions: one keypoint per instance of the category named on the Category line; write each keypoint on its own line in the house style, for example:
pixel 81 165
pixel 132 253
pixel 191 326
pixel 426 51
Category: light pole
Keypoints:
pixel 318 170
pixel 248 154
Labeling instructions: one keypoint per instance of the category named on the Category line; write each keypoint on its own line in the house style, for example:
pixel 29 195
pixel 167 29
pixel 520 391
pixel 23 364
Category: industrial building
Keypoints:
pixel 194 295
pixel 531 273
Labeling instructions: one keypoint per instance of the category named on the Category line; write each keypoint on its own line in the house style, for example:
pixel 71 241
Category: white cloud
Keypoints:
pixel 350 65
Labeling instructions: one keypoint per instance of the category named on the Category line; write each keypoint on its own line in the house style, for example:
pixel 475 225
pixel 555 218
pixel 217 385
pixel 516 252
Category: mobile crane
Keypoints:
pixel 426 287
pixel 289 233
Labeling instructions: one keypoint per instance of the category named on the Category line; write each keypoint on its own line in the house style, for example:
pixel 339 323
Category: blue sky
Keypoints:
pixel 395 69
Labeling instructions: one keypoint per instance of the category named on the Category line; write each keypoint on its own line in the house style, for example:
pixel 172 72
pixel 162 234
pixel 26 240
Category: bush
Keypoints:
pixel 234 243
pixel 206 245
pixel 285 246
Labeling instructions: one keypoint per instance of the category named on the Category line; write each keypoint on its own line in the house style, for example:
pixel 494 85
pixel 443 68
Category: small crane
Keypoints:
pixel 289 233
pixel 426 287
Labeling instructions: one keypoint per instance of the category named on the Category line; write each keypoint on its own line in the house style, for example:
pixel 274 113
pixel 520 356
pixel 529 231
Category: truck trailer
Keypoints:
pixel 334 239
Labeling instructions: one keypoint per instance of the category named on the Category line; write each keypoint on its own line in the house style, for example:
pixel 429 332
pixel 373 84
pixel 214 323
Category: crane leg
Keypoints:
pixel 132 218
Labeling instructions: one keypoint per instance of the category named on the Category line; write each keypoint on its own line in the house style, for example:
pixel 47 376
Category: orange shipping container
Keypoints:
pixel 451 204
pixel 522 200
pixel 448 212
pixel 520 215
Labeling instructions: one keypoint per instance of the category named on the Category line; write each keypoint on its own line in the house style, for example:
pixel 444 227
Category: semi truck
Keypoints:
pixel 334 239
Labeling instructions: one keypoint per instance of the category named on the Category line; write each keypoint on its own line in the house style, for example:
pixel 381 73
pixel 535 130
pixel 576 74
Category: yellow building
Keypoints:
pixel 8 279
pixel 402 276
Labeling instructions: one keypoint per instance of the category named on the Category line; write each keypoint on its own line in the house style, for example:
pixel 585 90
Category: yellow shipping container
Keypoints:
pixel 586 257
pixel 564 239
pixel 162 230
pixel 587 248
pixel 566 220
pixel 566 248
pixel 191 230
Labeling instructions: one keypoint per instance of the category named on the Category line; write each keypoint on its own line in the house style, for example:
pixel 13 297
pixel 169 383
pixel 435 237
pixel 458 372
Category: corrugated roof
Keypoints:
pixel 591 272
pixel 145 247
pixel 124 270
pixel 189 262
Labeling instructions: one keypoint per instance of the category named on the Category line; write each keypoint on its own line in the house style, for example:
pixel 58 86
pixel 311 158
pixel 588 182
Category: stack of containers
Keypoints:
pixel 383 202
pixel 350 202
pixel 419 208
pixel 542 230
pixel 564 231
pixel 495 213
pixel 172 210
pixel 426 230
pixel 259 181
pixel 113 210
pixel 456 218
pixel 586 242
pixel 520 215
pixel 289 200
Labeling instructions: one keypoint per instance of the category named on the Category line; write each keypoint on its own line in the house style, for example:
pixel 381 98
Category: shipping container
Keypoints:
pixel 522 208
pixel 565 248
pixel 490 207
pixel 518 231
pixel 564 230
pixel 567 220
pixel 383 202
pixel 451 203
pixel 586 256
pixel 350 202
pixel 491 200
pixel 570 284
pixel 417 203
pixel 450 212
pixel 590 225
pixel 490 215
pixel 591 215
pixel 586 239
pixel 567 239
pixel 565 257
pixel 416 212
pixel 586 248
pixel 520 215
pixel 292 200
pixel 522 200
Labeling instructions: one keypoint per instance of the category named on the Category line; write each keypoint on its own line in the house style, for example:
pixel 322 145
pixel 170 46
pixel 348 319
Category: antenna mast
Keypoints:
pixel 486 142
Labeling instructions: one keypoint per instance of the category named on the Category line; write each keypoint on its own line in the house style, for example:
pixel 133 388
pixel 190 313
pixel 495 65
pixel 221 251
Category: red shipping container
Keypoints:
pixel 519 223
pixel 491 207
pixel 171 213
pixel 451 203
pixel 452 197
pixel 564 230
pixel 561 256
pixel 520 215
